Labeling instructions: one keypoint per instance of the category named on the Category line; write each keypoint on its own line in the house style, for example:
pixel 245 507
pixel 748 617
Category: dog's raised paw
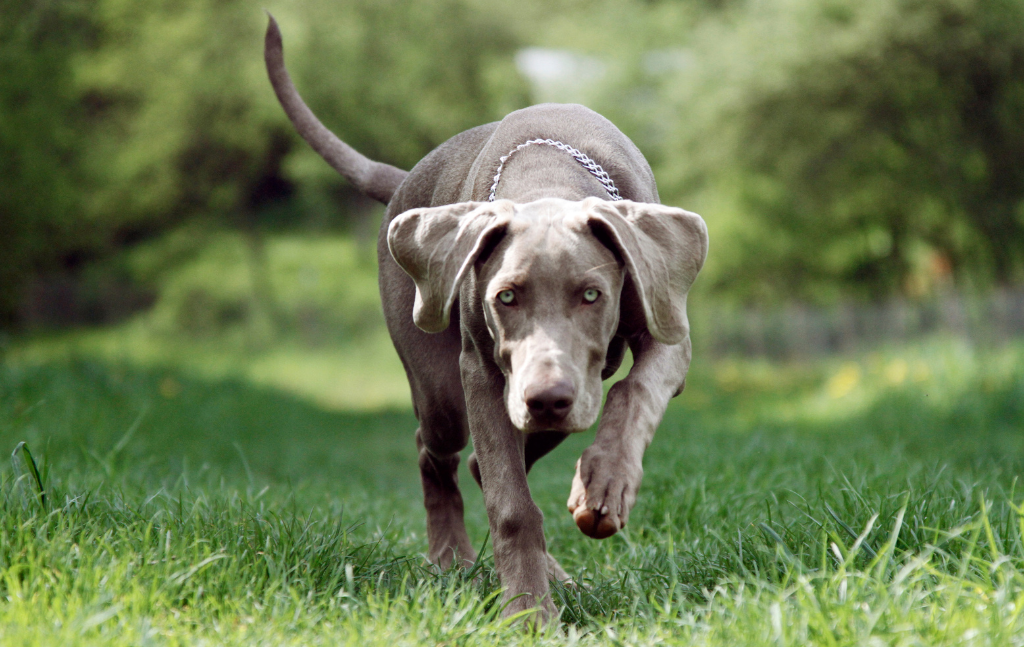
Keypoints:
pixel 597 521
pixel 593 524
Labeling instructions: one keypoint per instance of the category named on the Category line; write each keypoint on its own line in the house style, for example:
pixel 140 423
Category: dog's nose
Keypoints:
pixel 550 401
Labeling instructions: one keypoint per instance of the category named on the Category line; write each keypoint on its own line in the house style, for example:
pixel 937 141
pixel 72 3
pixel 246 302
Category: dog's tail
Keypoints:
pixel 377 180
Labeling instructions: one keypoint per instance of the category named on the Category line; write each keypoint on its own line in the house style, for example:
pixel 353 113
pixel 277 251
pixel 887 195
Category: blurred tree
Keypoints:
pixel 867 145
pixel 835 146
pixel 41 138
pixel 166 105
pixel 619 53
pixel 396 78
pixel 193 122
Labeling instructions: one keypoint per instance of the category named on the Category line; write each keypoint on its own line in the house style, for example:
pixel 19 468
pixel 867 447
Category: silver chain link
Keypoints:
pixel 588 163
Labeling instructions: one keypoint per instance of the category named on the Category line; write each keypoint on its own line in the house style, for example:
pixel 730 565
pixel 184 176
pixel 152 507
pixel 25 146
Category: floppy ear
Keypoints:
pixel 663 248
pixel 436 246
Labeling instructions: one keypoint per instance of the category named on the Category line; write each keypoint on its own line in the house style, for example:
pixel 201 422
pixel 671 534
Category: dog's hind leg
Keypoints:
pixel 446 529
pixel 432 365
pixel 442 434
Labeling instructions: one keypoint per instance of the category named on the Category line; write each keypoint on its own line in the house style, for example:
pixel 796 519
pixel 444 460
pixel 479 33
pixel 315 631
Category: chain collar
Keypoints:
pixel 588 163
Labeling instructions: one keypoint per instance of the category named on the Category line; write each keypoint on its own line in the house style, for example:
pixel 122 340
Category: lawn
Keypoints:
pixel 857 500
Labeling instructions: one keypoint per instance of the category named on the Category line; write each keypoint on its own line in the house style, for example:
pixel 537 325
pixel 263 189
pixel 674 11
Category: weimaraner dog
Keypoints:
pixel 517 262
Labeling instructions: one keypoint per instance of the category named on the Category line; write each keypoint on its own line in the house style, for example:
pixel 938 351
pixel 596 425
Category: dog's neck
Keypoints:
pixel 583 159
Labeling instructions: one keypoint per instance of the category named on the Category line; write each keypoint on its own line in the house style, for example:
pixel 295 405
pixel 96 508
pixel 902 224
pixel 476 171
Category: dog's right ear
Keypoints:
pixel 436 246
pixel 664 248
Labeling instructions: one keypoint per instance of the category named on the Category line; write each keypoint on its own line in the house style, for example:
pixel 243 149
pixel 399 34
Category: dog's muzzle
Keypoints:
pixel 549 403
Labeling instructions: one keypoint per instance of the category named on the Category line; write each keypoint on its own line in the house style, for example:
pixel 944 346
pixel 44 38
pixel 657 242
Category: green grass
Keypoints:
pixel 847 501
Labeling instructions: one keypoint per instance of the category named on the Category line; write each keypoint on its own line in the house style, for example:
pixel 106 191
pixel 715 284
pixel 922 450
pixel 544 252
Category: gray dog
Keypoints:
pixel 517 262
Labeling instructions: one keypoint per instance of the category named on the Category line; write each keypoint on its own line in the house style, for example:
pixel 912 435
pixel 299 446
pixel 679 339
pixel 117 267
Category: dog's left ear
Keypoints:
pixel 663 248
pixel 436 246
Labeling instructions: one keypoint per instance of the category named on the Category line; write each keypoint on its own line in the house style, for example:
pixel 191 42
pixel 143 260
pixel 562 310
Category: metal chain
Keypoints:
pixel 588 163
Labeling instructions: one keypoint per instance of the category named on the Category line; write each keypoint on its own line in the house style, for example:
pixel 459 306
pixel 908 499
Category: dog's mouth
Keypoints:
pixel 549 423
pixel 570 424
pixel 562 426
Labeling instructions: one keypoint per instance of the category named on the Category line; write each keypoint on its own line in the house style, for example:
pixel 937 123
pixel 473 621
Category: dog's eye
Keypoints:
pixel 507 297
pixel 591 295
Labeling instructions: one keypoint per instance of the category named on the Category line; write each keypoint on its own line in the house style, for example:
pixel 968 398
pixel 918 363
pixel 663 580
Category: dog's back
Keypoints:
pixel 463 168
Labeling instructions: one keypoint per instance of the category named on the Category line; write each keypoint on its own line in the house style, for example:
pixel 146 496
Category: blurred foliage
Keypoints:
pixel 120 120
pixel 836 148
pixel 325 287
pixel 865 146
pixel 41 135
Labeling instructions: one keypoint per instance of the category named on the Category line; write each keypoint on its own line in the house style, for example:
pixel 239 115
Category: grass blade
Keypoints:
pixel 769 532
pixel 849 531
pixel 33 470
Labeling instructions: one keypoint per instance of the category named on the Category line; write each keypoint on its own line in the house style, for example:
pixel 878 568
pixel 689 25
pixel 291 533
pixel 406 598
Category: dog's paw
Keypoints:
pixel 603 492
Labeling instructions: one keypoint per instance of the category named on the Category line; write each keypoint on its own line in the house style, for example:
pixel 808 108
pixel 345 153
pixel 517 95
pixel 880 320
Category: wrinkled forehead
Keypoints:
pixel 550 238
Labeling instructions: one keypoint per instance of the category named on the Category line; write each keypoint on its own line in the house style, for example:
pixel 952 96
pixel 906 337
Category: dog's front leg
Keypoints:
pixel 516 523
pixel 608 472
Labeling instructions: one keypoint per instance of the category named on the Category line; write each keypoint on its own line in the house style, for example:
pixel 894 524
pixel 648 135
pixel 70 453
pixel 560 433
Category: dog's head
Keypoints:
pixel 549 276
